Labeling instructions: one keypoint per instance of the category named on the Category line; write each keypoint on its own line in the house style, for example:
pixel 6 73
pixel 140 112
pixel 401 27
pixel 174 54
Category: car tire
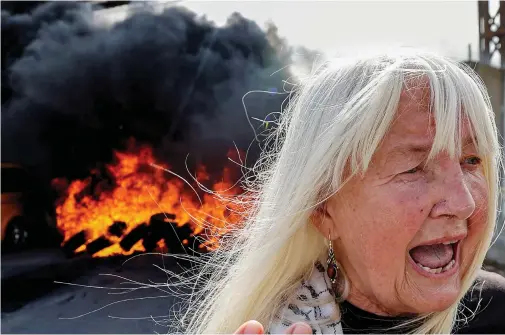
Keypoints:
pixel 17 235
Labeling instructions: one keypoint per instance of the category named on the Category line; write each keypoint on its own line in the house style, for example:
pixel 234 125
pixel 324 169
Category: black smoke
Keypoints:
pixel 74 90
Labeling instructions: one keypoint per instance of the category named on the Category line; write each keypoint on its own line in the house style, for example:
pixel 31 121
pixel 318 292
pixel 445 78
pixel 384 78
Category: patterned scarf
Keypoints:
pixel 313 303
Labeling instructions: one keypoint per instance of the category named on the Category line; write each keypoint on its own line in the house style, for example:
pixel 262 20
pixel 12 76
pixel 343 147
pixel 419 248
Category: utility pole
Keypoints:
pixel 491 43
pixel 491 33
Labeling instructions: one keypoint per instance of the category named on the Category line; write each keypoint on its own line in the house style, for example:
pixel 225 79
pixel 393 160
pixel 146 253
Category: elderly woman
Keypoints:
pixel 375 207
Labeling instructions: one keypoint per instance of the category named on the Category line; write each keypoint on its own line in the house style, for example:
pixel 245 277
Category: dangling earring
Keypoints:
pixel 337 276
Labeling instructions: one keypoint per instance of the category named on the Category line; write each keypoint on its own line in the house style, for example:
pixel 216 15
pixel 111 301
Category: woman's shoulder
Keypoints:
pixel 484 306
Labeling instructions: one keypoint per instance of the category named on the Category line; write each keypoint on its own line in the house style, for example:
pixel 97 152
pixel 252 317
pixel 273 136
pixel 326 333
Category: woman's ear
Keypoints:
pixel 324 222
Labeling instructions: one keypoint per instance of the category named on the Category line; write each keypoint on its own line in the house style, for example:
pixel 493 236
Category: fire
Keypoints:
pixel 134 188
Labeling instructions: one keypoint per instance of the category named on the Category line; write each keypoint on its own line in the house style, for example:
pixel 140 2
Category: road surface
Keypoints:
pixel 33 303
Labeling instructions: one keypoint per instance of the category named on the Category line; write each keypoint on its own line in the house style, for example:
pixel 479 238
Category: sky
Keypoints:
pixel 339 27
pixel 336 27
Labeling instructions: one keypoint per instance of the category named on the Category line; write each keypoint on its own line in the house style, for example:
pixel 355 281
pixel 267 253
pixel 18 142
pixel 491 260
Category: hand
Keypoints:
pixel 254 327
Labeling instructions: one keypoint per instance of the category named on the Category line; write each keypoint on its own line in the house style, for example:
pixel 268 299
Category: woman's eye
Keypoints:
pixel 412 171
pixel 473 160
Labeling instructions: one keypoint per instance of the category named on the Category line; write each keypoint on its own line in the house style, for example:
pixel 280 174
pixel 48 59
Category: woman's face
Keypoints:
pixel 390 225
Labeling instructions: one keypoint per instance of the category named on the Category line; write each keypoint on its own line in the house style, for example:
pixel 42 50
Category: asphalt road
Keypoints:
pixel 113 297
pixel 43 292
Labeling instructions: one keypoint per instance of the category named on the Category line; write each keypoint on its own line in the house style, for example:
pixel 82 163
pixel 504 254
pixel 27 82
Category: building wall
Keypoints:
pixel 494 79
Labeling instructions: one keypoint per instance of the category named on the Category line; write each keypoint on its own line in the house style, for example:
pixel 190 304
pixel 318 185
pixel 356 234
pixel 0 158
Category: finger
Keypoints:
pixel 251 327
pixel 299 328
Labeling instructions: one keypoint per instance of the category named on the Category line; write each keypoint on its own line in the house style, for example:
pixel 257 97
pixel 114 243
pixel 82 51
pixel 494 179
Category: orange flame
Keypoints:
pixel 135 188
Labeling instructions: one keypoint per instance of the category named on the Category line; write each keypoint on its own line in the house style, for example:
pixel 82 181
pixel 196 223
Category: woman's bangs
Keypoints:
pixel 458 105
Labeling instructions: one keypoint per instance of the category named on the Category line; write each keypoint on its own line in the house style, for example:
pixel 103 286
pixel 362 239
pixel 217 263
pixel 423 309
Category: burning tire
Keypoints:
pixel 17 235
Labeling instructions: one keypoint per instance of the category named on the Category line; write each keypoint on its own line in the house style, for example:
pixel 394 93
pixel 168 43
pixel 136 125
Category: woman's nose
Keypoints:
pixel 453 196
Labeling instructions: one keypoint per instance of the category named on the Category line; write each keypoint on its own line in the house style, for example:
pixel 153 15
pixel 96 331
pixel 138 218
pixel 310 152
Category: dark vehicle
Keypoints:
pixel 27 220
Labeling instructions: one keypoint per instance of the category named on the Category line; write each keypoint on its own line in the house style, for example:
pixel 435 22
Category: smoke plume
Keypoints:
pixel 73 91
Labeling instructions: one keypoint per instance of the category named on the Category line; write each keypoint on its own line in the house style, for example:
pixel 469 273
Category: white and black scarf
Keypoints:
pixel 313 303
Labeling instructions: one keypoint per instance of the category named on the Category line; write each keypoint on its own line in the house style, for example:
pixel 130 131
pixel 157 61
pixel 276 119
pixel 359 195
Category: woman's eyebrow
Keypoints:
pixel 401 152
pixel 415 149
pixel 469 140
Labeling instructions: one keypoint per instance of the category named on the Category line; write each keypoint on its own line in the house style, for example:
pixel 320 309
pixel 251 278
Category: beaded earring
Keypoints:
pixel 336 275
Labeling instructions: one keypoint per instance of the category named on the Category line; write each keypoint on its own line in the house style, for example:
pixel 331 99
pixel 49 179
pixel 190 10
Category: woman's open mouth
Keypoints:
pixel 436 260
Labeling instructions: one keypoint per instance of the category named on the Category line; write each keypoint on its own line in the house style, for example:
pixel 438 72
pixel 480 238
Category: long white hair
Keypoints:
pixel 336 119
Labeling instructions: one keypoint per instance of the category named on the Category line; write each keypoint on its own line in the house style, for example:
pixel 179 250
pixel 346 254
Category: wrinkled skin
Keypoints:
pixel 400 203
